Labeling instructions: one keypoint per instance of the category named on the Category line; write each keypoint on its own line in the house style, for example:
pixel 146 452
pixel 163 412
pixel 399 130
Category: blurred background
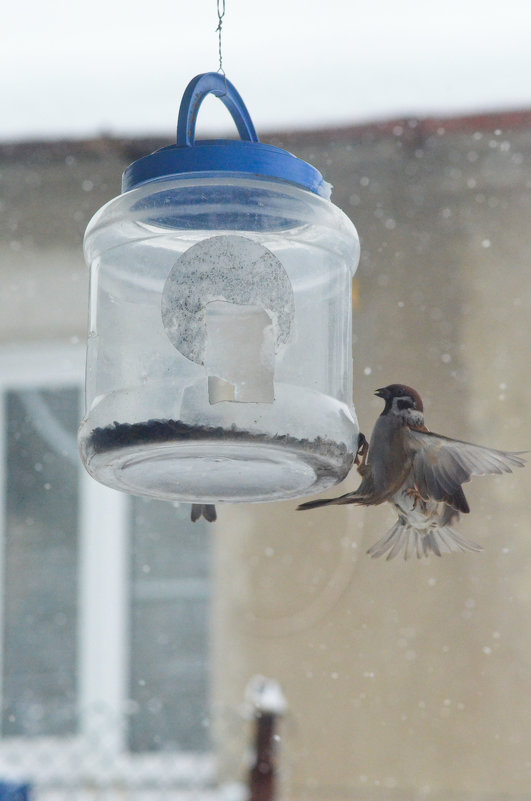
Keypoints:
pixel 129 638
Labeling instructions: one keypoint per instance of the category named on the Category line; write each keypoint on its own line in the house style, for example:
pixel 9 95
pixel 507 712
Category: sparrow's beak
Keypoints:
pixel 382 393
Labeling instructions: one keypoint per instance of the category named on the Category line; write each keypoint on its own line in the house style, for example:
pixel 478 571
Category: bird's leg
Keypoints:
pixel 361 454
pixel 413 492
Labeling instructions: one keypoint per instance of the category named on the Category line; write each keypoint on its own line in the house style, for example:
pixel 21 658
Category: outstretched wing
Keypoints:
pixel 440 465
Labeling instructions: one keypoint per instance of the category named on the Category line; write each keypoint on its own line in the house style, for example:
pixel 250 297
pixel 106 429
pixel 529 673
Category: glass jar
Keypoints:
pixel 219 358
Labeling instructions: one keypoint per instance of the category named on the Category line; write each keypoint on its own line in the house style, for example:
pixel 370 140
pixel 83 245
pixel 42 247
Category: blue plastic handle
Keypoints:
pixel 196 91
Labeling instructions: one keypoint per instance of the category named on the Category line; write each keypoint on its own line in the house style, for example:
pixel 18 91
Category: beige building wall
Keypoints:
pixel 407 680
pixel 404 680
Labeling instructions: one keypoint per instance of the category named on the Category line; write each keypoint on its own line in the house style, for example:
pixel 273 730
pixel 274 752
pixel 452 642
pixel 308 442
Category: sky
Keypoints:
pixel 119 67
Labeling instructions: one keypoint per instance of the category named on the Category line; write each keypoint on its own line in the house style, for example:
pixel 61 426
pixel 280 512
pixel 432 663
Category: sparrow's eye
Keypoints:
pixel 405 403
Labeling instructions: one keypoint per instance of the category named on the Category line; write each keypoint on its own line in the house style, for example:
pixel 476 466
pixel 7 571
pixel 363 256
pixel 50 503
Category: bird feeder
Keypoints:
pixel 219 349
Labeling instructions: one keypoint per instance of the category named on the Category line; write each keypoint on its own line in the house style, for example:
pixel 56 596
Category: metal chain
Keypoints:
pixel 221 14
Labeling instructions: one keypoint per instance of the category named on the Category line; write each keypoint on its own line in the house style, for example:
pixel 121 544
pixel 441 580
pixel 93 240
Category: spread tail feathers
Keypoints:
pixel 403 538
pixel 206 510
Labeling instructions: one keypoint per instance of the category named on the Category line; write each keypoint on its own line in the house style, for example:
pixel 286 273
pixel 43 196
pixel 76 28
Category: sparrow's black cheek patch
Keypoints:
pixel 405 403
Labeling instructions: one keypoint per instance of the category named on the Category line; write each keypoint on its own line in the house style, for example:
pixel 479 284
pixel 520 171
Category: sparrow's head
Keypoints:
pixel 403 401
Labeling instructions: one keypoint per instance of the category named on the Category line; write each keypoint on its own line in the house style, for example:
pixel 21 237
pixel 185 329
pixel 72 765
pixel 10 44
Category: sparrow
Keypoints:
pixel 420 474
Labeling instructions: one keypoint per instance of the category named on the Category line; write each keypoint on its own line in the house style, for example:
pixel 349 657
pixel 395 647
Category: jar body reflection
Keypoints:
pixel 219 348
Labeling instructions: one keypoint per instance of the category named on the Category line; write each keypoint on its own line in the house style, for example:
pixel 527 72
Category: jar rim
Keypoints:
pixel 254 159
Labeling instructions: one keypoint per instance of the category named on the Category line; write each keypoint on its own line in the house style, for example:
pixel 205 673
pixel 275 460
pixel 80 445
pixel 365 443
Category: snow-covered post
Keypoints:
pixel 268 703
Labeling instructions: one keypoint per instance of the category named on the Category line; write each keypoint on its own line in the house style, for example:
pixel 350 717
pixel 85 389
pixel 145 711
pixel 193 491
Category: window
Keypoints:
pixel 40 544
pixel 108 664
pixel 170 589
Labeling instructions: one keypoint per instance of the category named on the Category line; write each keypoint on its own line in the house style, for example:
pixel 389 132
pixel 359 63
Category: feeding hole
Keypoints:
pixel 240 353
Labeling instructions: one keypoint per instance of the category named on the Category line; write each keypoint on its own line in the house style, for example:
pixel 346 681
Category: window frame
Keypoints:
pixel 102 625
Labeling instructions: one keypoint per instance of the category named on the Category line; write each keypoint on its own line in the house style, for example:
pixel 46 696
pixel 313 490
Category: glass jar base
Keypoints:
pixel 170 461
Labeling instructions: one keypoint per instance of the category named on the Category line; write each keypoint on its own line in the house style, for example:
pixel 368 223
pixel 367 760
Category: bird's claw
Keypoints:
pixel 361 454
pixel 413 492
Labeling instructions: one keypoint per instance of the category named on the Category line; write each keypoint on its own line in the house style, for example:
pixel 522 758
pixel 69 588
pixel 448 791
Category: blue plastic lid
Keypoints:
pixel 247 156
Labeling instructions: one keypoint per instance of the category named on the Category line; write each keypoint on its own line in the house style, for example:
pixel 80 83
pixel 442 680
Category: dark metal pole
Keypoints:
pixel 266 699
pixel 262 779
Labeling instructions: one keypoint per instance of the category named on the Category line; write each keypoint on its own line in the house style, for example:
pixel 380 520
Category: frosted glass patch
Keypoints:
pixel 227 268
